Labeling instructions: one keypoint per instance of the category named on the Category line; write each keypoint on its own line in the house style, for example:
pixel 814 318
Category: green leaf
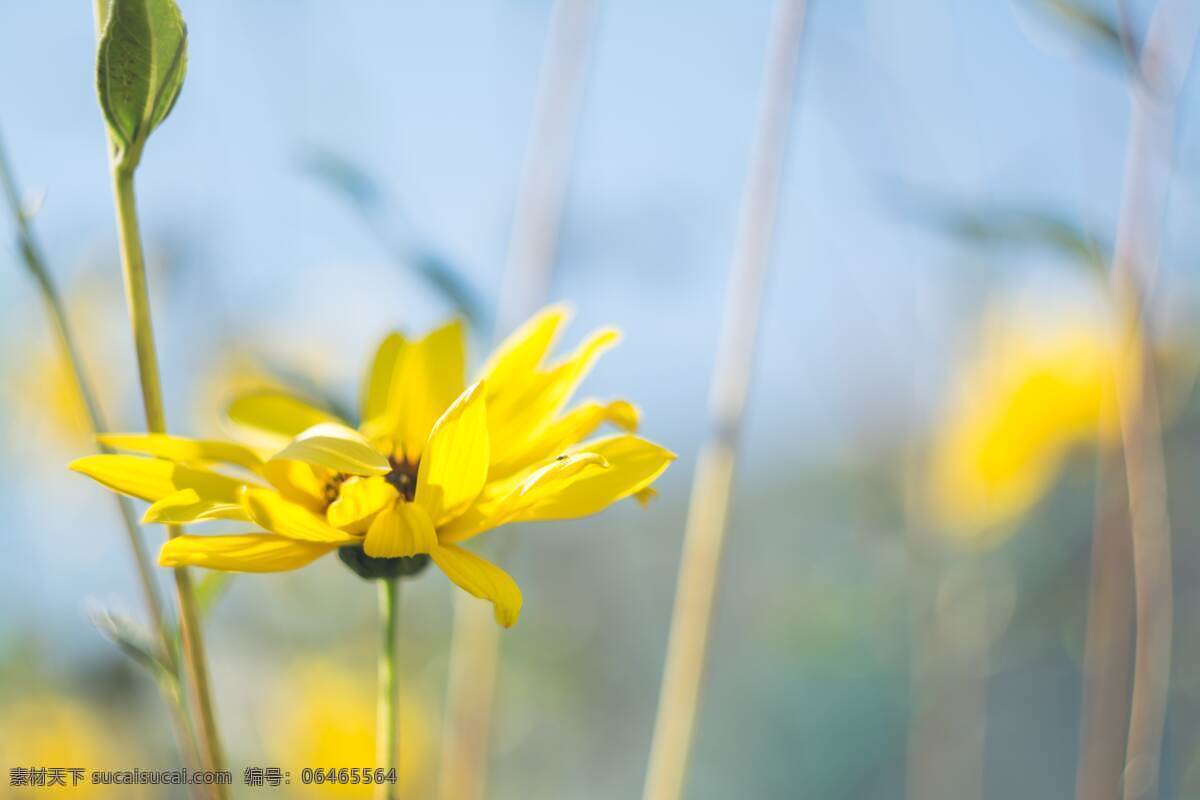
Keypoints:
pixel 345 177
pixel 999 228
pixel 140 67
pixel 131 639
pixel 1085 25
pixel 1085 22
pixel 209 589
pixel 1017 228
pixel 370 202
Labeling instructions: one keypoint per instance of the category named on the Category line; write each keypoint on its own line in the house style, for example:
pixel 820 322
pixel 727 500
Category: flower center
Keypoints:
pixel 404 477
pixel 333 488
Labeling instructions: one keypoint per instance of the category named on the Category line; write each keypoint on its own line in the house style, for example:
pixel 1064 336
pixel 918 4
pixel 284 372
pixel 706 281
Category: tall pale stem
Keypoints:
pixel 474 652
pixel 950 656
pixel 1108 640
pixel 708 513
pixel 1165 58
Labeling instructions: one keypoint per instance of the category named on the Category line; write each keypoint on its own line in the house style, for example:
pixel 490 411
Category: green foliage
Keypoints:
pixel 344 177
pixel 132 640
pixel 363 194
pixel 140 66
pixel 210 587
pixel 1005 228
pixel 1017 228
pixel 1086 26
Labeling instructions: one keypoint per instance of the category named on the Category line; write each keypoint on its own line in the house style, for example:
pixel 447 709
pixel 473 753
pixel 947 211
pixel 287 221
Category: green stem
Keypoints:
pixel 35 262
pixel 138 297
pixel 387 737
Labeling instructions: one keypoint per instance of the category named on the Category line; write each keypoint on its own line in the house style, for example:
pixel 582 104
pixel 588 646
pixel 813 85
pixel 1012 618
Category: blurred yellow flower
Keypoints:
pixel 59 732
pixel 1040 384
pixel 432 464
pixel 318 719
pixel 47 395
pixel 39 387
pixel 233 371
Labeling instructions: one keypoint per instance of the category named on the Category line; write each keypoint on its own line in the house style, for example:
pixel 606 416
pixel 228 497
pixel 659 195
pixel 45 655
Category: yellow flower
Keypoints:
pixel 59 732
pixel 432 464
pixel 40 388
pixel 320 720
pixel 47 396
pixel 1040 385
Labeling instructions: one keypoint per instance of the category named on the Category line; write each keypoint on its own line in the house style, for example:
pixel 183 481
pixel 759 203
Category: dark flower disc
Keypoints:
pixel 368 568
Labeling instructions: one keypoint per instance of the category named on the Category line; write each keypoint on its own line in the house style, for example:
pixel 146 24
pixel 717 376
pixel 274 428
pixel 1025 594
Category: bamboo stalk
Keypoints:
pixel 1166 55
pixel 475 645
pixel 709 510
pixel 35 262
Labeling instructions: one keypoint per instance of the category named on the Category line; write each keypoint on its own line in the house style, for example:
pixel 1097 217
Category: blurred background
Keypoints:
pixel 904 594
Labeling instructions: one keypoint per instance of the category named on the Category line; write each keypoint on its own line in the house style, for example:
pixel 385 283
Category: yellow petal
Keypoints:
pixel 178 448
pixel 559 434
pixel 187 506
pixel 633 464
pixel 431 376
pixel 298 482
pixel 482 579
pixel 377 388
pixel 276 414
pixel 455 463
pixel 359 500
pixel 522 352
pixel 268 509
pixel 584 481
pixel 400 531
pixel 255 552
pixel 503 500
pixel 513 413
pixel 152 479
pixel 338 448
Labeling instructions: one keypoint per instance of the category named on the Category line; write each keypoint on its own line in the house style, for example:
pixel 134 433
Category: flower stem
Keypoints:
pixel 35 262
pixel 707 519
pixel 387 737
pixel 122 167
pixel 138 299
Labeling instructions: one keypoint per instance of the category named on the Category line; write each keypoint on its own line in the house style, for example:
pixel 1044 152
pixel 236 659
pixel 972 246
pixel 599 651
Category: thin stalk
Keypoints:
pixel 138 299
pixel 35 262
pixel 474 650
pixel 1109 640
pixel 951 653
pixel 708 513
pixel 474 653
pixel 541 197
pixel 1166 55
pixel 122 167
pixel 387 737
